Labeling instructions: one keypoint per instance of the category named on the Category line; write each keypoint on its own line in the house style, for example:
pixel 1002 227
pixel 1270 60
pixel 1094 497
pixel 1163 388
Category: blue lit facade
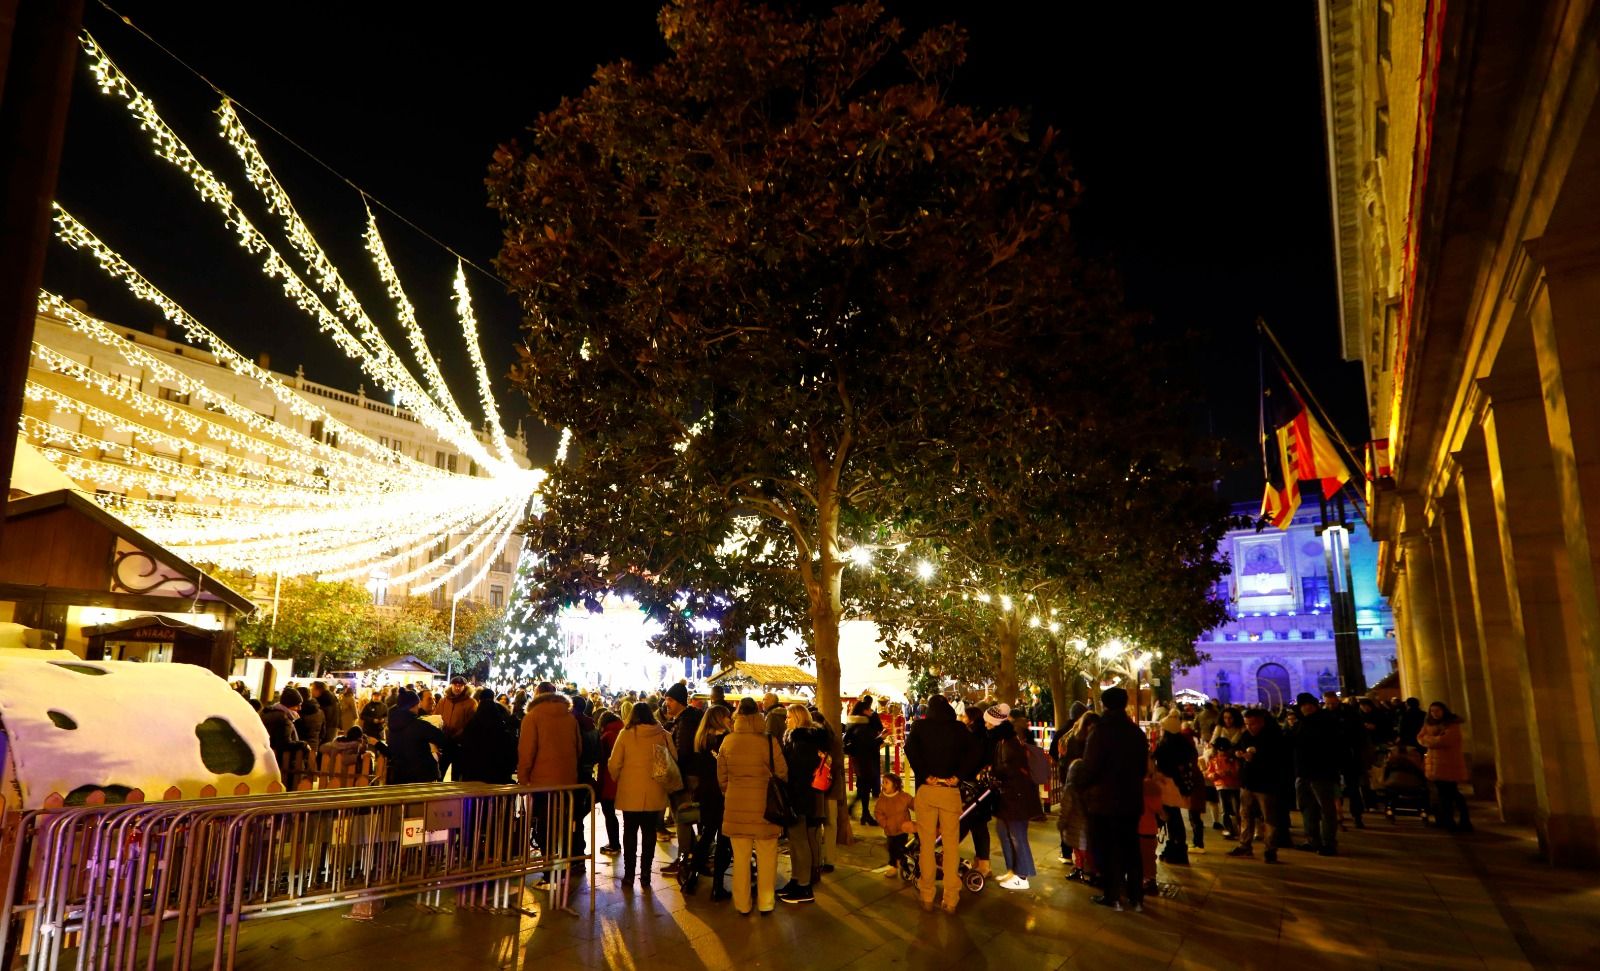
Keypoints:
pixel 1278 641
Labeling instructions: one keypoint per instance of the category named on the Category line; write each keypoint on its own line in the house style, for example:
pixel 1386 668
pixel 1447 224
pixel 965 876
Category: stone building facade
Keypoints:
pixel 1279 639
pixel 1464 151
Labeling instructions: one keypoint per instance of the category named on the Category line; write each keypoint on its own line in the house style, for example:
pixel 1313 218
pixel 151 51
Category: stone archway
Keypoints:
pixel 1272 685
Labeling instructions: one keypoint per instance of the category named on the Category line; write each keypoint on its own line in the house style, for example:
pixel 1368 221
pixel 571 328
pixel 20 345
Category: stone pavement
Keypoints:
pixel 1401 896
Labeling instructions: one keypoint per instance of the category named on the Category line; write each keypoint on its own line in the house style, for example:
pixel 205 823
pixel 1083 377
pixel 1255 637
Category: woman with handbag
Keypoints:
pixel 752 774
pixel 711 850
pixel 805 747
pixel 641 792
pixel 1177 767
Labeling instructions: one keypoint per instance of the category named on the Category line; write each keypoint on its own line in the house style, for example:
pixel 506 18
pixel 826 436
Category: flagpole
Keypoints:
pixel 1356 467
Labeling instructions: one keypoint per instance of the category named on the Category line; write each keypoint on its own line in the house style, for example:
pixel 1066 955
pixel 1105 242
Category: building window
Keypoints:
pixel 450 464
pixel 1380 131
pixel 173 395
pixel 1224 689
pixel 1232 635
pixel 1308 635
pixel 1272 686
pixel 1314 593
pixel 316 429
pixel 497 597
pixel 438 459
pixel 1281 635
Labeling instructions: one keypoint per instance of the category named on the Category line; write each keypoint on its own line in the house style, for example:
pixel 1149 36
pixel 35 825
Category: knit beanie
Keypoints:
pixel 996 714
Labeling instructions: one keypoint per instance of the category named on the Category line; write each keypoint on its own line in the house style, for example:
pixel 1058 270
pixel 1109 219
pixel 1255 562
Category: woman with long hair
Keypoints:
pixel 804 747
pixel 708 739
pixel 640 797
pixel 747 762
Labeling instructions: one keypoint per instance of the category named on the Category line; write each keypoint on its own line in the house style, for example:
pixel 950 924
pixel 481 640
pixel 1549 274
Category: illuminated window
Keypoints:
pixel 497 597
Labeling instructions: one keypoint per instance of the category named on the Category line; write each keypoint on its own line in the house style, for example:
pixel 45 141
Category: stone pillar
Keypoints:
pixel 1404 646
pixel 1546 603
pixel 1455 688
pixel 1518 789
pixel 1455 600
pixel 1564 317
pixel 1431 680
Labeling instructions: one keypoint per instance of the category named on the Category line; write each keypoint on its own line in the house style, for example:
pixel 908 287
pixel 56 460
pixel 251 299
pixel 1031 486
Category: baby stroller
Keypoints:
pixel 975 796
pixel 1403 786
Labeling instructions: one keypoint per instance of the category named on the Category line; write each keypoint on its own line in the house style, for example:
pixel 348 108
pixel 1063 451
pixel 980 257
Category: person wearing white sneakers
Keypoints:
pixel 1019 804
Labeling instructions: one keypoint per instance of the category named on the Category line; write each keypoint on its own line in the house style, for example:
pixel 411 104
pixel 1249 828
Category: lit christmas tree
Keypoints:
pixel 533 648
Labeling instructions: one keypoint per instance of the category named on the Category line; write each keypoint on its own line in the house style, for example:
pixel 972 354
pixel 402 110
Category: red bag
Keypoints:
pixel 822 779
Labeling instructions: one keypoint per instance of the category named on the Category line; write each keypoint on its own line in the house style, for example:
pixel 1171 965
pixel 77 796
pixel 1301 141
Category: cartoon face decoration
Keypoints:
pixel 71 727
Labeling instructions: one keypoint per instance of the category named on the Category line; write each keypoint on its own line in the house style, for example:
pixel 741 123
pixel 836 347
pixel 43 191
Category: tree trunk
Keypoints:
pixel 1010 632
pixel 1057 675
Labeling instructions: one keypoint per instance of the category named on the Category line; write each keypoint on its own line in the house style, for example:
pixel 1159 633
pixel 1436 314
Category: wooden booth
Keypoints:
pixel 70 567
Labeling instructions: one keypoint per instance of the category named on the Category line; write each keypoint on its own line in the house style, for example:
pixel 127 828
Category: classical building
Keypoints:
pixel 1279 639
pixel 1464 151
pixel 103 468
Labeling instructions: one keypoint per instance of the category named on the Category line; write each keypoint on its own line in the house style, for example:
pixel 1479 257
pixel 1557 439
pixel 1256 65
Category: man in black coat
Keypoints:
pixel 1115 761
pixel 1263 763
pixel 411 742
pixel 1321 752
pixel 683 721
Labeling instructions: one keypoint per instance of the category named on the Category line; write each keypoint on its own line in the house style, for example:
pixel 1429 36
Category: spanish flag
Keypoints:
pixel 1295 449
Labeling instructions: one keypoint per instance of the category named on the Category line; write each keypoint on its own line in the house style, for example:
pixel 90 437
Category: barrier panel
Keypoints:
pixel 123 885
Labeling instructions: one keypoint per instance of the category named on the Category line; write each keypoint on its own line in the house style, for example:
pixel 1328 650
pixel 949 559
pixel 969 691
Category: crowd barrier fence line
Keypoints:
pixel 119 882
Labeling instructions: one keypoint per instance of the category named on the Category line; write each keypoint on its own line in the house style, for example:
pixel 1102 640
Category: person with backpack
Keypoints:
pixel 1019 803
pixel 637 764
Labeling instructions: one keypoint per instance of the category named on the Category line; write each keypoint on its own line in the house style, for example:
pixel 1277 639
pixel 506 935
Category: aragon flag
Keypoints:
pixel 1295 449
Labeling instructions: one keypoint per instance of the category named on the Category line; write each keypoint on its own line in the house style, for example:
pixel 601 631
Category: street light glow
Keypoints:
pixel 925 570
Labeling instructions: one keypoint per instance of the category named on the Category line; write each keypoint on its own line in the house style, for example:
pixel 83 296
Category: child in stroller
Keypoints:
pixel 974 796
pixel 1403 786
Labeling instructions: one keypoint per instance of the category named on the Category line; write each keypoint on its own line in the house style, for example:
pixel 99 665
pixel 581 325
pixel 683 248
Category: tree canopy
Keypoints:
pixel 782 290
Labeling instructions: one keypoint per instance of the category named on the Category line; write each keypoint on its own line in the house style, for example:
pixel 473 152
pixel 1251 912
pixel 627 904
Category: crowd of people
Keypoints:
pixel 730 784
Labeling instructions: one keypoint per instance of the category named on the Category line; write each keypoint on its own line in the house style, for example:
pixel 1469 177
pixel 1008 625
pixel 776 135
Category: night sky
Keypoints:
pixel 1196 128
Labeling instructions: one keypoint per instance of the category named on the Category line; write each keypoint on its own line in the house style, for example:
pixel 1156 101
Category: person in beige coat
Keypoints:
pixel 749 757
pixel 639 796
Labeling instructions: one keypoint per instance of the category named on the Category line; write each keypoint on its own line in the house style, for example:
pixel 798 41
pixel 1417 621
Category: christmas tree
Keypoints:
pixel 533 648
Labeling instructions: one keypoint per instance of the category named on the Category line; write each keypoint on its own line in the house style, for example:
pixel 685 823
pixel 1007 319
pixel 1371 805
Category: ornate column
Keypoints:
pixel 1466 653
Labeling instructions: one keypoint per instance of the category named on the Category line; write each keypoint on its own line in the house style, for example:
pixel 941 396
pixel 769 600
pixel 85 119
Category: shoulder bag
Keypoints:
pixel 778 811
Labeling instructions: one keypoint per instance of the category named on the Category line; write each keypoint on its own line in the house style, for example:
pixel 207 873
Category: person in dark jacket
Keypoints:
pixel 941 752
pixel 1409 722
pixel 1321 750
pixel 1018 806
pixel 329 706
pixel 610 727
pixel 713 851
pixel 989 728
pixel 682 721
pixel 1112 782
pixel 411 757
pixel 310 724
pixel 805 744
pixel 1263 763
pixel 863 734
pixel 374 717
pixel 1178 761
pixel 486 750
pixel 279 718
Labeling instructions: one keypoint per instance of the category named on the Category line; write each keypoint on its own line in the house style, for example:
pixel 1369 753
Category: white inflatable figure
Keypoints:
pixel 71 726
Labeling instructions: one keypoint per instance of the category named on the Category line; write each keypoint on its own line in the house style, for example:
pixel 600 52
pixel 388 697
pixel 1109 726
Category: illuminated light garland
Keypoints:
pixel 488 564
pixel 76 235
pixel 420 543
pixel 503 515
pixel 408 320
pixel 504 527
pixel 211 457
pixel 54 436
pixel 469 331
pixel 304 242
pixel 171 148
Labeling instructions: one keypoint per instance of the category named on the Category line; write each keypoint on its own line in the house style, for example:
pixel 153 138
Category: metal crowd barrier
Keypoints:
pixel 119 884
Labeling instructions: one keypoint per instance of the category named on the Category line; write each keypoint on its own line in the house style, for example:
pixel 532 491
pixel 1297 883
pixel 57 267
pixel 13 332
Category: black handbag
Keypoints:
pixel 779 813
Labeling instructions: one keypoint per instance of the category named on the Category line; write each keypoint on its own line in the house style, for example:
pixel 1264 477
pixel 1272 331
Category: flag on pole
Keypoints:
pixel 1294 449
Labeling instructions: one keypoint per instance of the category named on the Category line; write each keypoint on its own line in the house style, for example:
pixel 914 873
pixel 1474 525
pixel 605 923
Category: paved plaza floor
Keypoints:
pixel 1399 896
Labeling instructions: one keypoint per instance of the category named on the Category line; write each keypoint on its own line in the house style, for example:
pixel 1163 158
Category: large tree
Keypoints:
pixel 765 281
pixel 322 624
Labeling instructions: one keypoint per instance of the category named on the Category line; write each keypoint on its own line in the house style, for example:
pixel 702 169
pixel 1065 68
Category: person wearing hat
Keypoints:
pixel 1321 751
pixel 279 718
pixel 1111 779
pixel 411 743
pixel 1177 770
pixel 682 722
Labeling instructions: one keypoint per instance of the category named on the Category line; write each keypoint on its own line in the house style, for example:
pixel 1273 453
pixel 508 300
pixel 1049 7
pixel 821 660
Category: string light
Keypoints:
pixel 408 320
pixel 386 372
pixel 469 331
